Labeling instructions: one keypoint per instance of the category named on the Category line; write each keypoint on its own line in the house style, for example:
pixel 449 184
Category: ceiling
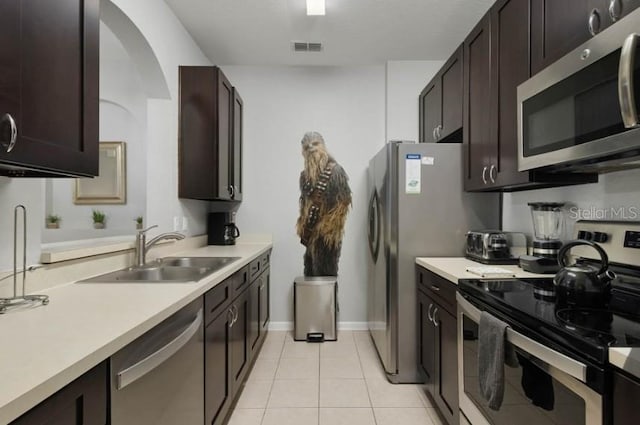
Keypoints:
pixel 353 32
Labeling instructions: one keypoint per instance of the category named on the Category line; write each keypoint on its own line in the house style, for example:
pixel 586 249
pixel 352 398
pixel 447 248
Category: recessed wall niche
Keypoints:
pixel 123 112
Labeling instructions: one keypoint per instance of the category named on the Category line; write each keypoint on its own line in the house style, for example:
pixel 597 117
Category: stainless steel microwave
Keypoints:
pixel 580 113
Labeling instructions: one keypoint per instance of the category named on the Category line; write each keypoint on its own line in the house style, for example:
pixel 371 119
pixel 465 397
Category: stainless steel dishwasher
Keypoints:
pixel 159 378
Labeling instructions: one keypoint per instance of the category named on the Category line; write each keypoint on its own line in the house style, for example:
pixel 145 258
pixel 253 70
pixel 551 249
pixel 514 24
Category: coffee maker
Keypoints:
pixel 222 229
pixel 548 222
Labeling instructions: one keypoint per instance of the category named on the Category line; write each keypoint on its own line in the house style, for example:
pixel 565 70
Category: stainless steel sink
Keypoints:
pixel 214 263
pixel 167 270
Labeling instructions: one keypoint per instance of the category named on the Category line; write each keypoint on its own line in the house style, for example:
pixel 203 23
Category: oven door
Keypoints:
pixel 582 108
pixel 553 380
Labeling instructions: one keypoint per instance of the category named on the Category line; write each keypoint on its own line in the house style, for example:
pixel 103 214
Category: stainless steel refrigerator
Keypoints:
pixel 417 208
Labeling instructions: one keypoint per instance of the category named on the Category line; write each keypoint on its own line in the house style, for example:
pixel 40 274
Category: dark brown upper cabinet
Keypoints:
pixel 440 103
pixel 49 84
pixel 429 110
pixel 480 152
pixel 510 66
pixel 235 176
pixel 557 27
pixel 498 58
pixel 209 161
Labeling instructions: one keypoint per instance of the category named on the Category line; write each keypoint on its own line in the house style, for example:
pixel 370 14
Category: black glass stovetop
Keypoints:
pixel 529 305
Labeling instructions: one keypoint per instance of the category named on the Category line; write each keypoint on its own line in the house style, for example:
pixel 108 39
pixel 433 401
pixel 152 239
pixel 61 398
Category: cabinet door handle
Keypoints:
pixel 13 132
pixel 626 94
pixel 435 288
pixel 429 313
pixel 230 319
pixel 493 173
pixel 435 320
pixel 439 131
pixel 433 133
pixel 615 9
pixel 235 313
pixel 484 175
pixel 231 191
pixel 594 22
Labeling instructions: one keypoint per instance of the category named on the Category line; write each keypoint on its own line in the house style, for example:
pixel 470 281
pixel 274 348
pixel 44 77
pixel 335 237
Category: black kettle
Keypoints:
pixel 583 285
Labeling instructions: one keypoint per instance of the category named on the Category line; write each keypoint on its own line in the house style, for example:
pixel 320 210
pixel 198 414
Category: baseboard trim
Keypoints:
pixel 353 326
pixel 343 326
pixel 280 326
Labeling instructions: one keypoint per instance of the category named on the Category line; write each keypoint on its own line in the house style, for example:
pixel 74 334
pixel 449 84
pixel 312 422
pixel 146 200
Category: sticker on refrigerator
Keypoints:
pixel 412 173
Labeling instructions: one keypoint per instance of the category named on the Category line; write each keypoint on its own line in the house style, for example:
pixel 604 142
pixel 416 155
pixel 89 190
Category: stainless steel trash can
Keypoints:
pixel 315 308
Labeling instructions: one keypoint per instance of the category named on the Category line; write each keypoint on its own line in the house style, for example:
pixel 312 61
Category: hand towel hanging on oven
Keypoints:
pixel 493 352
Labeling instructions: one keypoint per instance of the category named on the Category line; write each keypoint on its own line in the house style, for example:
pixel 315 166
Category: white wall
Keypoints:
pixel 346 105
pixel 405 81
pixel 615 193
pixel 173 46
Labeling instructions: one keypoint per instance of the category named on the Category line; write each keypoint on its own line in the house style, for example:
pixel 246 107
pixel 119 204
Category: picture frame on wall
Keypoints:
pixel 110 186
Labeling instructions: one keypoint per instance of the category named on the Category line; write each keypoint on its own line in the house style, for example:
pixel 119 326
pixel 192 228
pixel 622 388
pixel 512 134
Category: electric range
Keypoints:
pixel 531 303
pixel 567 345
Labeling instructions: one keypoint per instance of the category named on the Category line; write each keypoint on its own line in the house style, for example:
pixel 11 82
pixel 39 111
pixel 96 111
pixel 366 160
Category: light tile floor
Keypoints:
pixel 332 383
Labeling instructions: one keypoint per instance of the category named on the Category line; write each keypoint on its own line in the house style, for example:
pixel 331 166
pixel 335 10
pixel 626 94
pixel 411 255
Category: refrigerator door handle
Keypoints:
pixel 374 225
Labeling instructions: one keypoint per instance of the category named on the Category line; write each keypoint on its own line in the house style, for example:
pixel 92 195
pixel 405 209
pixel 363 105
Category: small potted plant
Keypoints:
pixel 98 219
pixel 138 221
pixel 53 221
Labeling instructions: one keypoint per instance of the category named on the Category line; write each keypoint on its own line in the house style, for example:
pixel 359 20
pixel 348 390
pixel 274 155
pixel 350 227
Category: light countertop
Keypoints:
pixel 46 347
pixel 626 358
pixel 454 268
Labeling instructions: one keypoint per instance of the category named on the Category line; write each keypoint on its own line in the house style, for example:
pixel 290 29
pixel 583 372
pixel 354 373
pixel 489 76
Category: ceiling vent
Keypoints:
pixel 302 46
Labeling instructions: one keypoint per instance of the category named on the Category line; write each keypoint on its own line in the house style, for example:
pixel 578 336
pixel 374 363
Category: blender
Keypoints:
pixel 548 221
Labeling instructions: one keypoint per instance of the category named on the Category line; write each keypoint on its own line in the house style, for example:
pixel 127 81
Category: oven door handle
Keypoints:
pixel 626 94
pixel 558 360
pixel 157 358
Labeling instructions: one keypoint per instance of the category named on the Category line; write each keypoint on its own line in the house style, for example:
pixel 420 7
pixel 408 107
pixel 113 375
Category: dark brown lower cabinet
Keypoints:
pixel 258 311
pixel 240 340
pixel 226 356
pixel 217 365
pixel 264 293
pixel 626 394
pixel 426 339
pixel 445 388
pixel 438 344
pixel 254 316
pixel 232 340
pixel 84 401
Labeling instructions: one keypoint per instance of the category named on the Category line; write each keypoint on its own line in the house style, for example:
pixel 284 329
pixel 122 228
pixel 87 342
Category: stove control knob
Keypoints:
pixel 585 235
pixel 600 237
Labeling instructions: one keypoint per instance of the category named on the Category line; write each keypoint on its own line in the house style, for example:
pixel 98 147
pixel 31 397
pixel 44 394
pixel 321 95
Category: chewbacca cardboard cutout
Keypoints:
pixel 324 203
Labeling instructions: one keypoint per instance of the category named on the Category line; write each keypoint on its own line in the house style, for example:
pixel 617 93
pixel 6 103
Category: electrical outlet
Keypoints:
pixel 176 223
pixel 185 224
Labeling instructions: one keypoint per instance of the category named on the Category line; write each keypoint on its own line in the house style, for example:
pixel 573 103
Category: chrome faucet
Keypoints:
pixel 142 246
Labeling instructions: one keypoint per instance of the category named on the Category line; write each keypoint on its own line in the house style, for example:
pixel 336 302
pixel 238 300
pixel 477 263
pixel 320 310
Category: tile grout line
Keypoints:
pixel 373 412
pixel 273 379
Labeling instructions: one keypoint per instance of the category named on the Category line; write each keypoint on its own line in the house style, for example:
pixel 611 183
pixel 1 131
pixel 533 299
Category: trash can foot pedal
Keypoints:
pixel 315 337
